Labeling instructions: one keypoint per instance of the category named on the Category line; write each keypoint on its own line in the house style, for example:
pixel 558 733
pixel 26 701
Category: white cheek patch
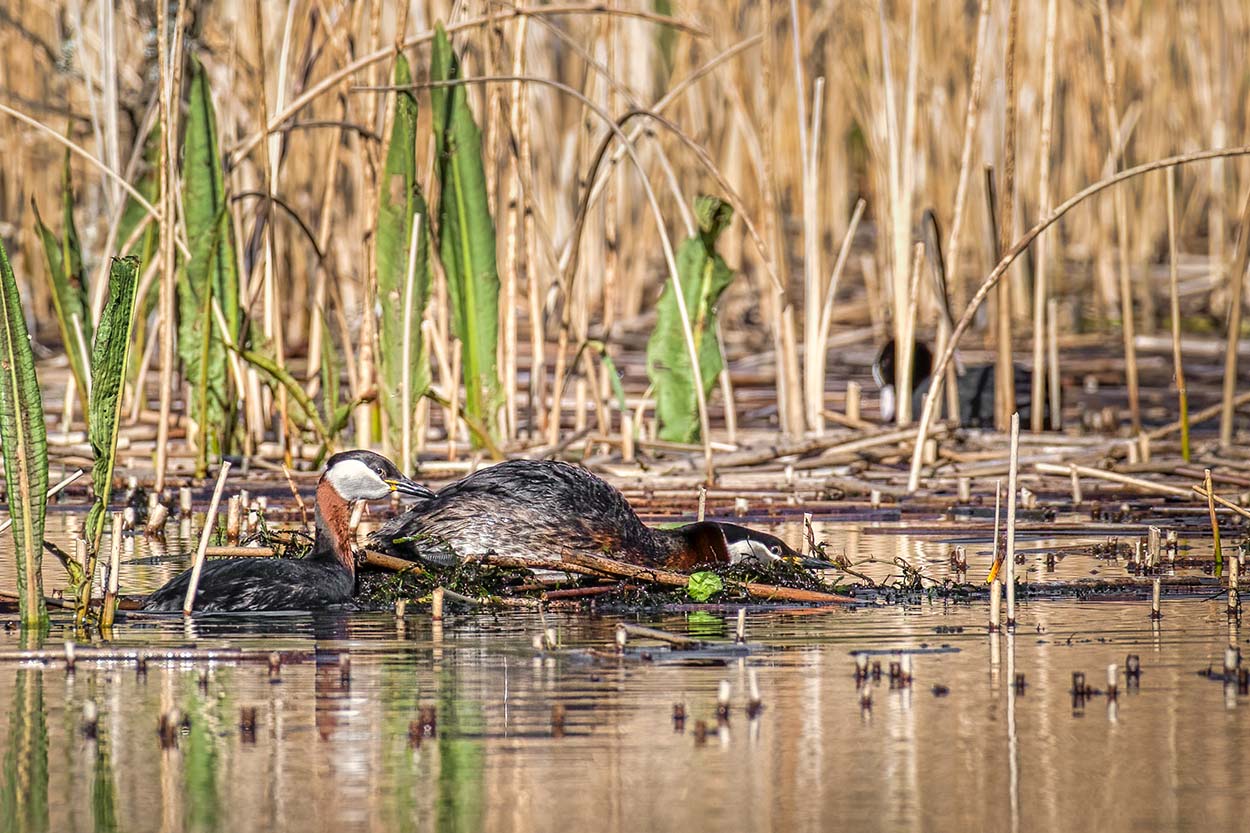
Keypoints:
pixel 887 403
pixel 747 549
pixel 355 481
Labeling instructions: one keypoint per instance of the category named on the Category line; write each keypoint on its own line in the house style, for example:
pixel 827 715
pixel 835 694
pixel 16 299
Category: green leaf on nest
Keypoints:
pixel 704 585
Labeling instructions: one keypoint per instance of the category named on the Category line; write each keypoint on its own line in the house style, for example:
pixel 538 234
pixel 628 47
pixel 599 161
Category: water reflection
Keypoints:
pixel 329 750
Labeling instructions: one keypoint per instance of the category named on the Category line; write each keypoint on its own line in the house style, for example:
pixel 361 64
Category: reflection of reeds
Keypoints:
pixel 798 109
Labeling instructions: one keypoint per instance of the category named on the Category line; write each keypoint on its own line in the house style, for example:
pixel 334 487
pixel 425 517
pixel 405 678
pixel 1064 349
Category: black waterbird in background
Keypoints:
pixel 975 384
pixel 325 577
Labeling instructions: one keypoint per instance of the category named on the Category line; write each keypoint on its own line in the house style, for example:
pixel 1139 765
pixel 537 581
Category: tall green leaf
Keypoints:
pixel 212 272
pixel 68 280
pixel 109 357
pixel 25 445
pixel 466 234
pixel 704 276
pixel 400 204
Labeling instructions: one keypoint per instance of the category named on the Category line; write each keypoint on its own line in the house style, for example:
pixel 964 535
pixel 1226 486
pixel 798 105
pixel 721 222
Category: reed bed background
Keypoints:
pixel 327 326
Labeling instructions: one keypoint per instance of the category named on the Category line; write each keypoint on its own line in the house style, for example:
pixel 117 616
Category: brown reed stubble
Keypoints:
pixel 1158 98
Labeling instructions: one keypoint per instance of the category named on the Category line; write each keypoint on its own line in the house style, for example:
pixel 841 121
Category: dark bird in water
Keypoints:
pixel 325 577
pixel 975 386
pixel 546 508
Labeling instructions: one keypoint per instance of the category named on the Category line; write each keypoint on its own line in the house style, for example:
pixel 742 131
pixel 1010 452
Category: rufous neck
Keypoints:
pixel 334 527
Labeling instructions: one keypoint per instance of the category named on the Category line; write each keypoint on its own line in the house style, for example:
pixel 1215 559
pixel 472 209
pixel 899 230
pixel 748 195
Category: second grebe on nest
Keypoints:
pixel 543 508
pixel 325 577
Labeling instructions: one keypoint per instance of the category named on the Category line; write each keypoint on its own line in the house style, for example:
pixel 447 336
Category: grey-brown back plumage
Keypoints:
pixel 525 508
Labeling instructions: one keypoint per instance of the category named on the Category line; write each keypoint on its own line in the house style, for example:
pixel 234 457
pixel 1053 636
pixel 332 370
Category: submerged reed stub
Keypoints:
pixel 754 702
pixel 679 717
pixel 740 636
pixel 90 720
pixel 275 667
pixel 158 516
pixel 1156 592
pixel 1232 660
pixel 69 657
pixel 345 670
pixel 1132 667
pixel 861 667
pixel 722 702
pixel 247 724
pixel 169 727
pixel 700 732
pixel 1113 680
pixel 557 720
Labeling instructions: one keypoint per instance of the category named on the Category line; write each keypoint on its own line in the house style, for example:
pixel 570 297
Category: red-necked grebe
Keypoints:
pixel 325 577
pixel 544 508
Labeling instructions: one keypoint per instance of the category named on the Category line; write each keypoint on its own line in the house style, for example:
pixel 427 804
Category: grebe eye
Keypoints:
pixel 775 549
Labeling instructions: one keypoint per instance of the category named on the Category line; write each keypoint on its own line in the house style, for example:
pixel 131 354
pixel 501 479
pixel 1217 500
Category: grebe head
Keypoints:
pixel 716 542
pixel 749 544
pixel 883 373
pixel 363 475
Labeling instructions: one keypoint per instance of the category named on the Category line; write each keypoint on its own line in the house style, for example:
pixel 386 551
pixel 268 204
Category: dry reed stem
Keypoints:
pixel 1041 292
pixel 1005 387
pixel 1121 220
pixel 1209 490
pixel 1013 493
pixel 1236 282
pixel 1178 369
pixel 205 534
pixel 1067 470
pixel 965 154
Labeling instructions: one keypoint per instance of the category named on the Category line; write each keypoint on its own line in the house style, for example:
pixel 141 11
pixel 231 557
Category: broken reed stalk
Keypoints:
pixel 1178 369
pixel 7 522
pixel 1012 491
pixel 1121 220
pixel 1225 502
pixel 1042 307
pixel 994 552
pixel 1009 257
pixel 1215 523
pixel 1005 388
pixel 1068 469
pixel 205 534
pixel 642 632
pixel 1236 278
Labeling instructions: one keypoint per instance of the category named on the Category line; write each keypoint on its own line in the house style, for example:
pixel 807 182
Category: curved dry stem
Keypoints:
pixel 1017 249
pixel 276 121
pixel 105 169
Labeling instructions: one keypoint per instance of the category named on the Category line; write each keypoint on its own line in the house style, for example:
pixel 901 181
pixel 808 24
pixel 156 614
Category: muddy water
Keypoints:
pixel 334 754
